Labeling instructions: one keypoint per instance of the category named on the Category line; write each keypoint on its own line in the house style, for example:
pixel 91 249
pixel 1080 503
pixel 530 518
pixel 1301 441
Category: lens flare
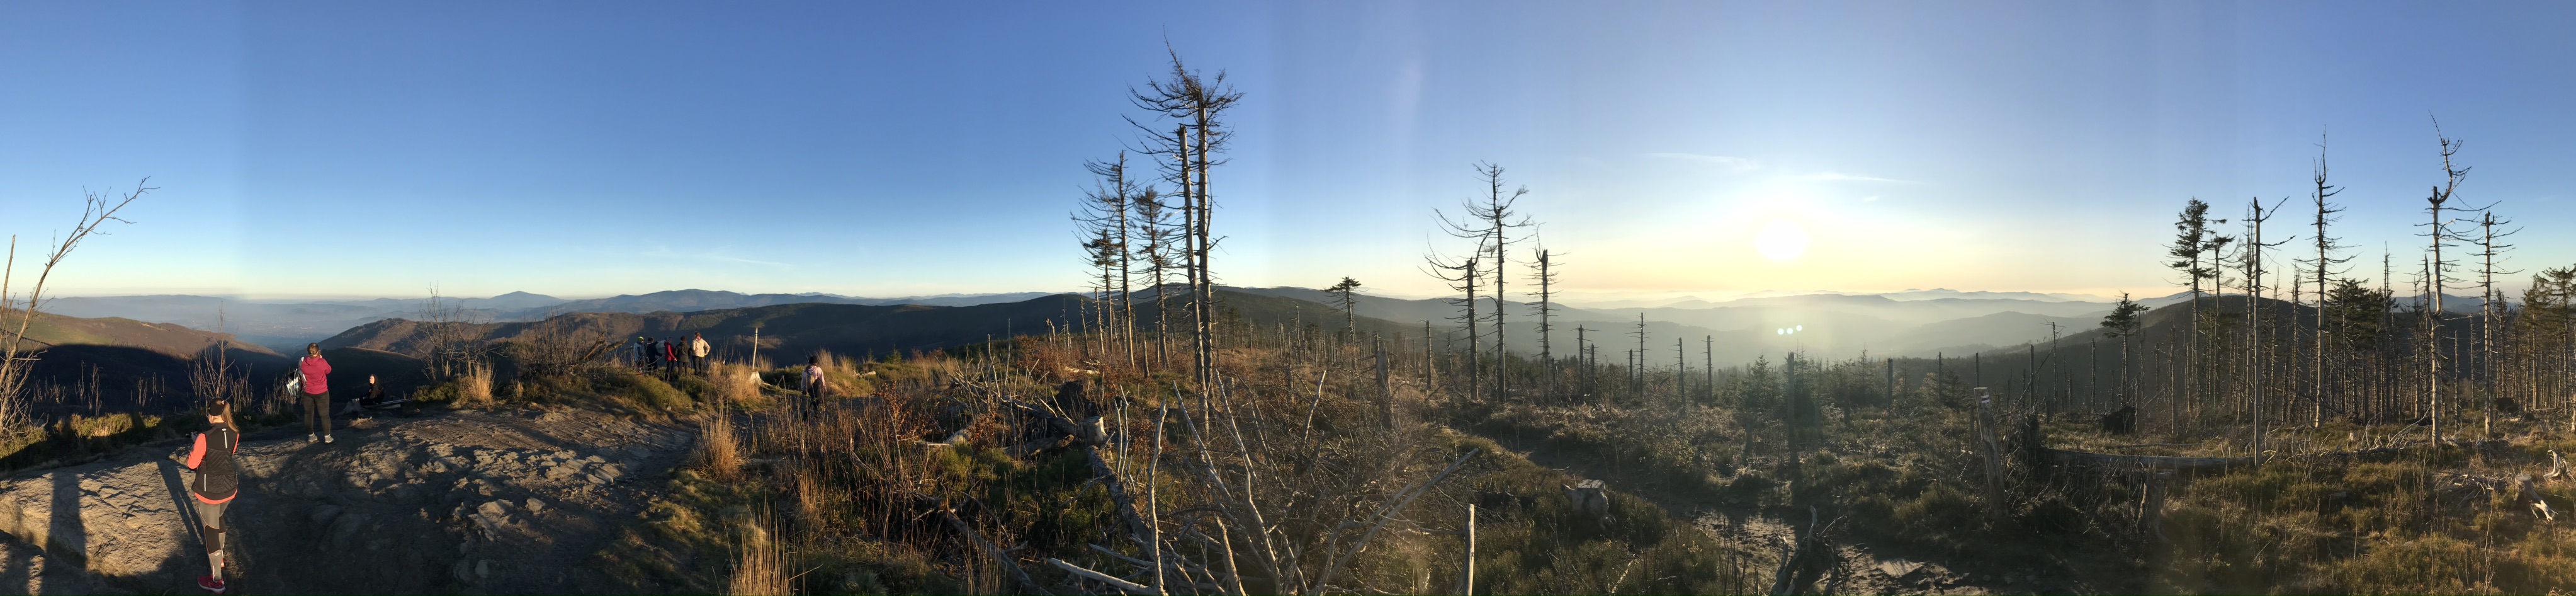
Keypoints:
pixel 1781 240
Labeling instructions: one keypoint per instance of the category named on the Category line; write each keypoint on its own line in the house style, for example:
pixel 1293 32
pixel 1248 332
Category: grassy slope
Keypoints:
pixel 1906 482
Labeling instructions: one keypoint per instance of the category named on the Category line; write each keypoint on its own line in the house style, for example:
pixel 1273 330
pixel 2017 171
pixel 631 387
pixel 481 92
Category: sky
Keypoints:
pixel 582 149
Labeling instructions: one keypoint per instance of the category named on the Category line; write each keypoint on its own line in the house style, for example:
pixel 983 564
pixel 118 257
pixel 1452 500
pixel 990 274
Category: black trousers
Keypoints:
pixel 317 412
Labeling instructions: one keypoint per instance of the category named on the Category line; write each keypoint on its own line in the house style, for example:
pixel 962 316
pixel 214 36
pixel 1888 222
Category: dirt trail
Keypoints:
pixel 1857 568
pixel 475 502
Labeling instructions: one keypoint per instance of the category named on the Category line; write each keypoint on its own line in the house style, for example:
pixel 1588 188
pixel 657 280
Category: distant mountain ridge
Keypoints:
pixel 286 326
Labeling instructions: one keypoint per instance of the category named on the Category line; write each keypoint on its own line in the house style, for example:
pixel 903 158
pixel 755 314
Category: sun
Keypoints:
pixel 1781 240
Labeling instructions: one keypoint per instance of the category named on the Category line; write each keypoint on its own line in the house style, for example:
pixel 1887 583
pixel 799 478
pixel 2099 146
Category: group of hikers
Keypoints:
pixel 217 477
pixel 668 356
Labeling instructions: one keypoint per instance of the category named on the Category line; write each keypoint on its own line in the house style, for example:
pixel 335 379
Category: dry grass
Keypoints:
pixel 759 566
pixel 738 384
pixel 717 449
pixel 475 386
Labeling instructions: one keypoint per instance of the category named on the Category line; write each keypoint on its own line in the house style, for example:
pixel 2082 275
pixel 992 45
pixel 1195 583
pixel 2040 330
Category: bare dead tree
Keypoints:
pixel 2323 266
pixel 15 359
pixel 1489 221
pixel 1638 361
pixel 1198 104
pixel 450 336
pixel 1462 276
pixel 1545 277
pixel 2252 260
pixel 559 345
pixel 1156 231
pixel 2492 308
pixel 1103 221
pixel 2437 230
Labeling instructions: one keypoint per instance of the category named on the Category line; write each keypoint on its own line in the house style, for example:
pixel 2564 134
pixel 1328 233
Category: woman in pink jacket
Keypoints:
pixel 315 374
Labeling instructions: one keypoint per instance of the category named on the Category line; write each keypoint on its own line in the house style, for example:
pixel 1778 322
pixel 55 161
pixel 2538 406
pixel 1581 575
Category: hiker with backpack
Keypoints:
pixel 314 375
pixel 218 480
pixel 813 384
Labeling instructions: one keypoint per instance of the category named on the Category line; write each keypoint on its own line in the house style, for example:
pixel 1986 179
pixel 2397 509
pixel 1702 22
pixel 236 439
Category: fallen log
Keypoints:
pixel 1085 433
pixel 1111 580
pixel 2203 464
pixel 1118 497
pixel 2152 462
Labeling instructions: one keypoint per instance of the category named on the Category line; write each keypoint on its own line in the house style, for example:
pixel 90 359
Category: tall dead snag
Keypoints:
pixel 1462 276
pixel 96 210
pixel 1198 104
pixel 2437 230
pixel 2252 260
pixel 1157 232
pixel 2492 308
pixel 1103 221
pixel 1489 221
pixel 2323 267
pixel 1546 279
pixel 1638 362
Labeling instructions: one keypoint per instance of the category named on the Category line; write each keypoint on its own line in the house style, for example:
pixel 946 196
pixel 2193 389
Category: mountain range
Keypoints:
pixel 1918 323
pixel 285 326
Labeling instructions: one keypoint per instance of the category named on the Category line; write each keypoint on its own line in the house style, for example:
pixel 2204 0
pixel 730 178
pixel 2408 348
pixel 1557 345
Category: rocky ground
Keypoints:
pixel 472 502
pixel 1855 568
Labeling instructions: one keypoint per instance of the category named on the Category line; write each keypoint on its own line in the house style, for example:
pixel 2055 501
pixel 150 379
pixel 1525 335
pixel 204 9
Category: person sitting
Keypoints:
pixel 376 398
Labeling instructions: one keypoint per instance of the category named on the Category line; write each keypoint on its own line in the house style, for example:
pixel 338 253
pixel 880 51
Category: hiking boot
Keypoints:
pixel 210 583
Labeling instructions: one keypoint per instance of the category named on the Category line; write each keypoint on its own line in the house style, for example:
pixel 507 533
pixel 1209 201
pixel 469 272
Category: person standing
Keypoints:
pixel 813 382
pixel 670 359
pixel 314 374
pixel 218 480
pixel 698 351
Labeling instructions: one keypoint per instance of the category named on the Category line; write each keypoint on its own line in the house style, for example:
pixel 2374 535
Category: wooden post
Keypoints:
pixel 1467 583
pixel 1891 382
pixel 1385 397
pixel 2151 512
pixel 1994 453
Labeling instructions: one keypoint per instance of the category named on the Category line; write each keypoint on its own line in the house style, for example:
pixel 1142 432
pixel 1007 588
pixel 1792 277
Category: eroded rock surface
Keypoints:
pixel 504 502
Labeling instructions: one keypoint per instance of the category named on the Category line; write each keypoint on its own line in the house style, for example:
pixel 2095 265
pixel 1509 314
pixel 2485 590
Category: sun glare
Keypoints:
pixel 1781 240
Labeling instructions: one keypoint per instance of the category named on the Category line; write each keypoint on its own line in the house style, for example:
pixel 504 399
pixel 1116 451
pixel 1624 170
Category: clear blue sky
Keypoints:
pixel 596 148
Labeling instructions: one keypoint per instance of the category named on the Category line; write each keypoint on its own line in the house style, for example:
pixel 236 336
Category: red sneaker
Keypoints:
pixel 210 583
